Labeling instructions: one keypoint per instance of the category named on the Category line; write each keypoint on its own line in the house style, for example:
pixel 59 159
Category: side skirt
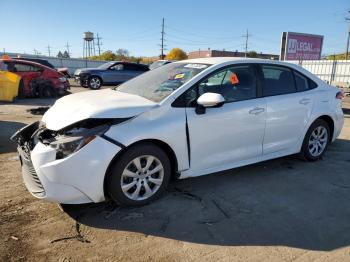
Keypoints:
pixel 195 173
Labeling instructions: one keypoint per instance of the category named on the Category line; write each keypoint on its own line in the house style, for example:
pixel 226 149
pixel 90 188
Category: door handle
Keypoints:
pixel 256 110
pixel 304 101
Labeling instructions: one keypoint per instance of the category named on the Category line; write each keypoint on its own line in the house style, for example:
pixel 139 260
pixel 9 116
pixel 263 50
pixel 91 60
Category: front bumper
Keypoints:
pixel 76 179
pixel 81 79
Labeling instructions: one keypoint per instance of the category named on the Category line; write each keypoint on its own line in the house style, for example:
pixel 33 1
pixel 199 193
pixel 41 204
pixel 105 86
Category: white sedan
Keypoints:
pixel 183 119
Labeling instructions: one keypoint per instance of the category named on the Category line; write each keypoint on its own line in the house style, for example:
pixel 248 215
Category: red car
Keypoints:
pixel 37 80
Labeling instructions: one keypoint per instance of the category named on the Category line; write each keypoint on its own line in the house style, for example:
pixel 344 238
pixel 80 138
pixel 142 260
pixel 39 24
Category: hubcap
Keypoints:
pixel 318 141
pixel 142 177
pixel 95 83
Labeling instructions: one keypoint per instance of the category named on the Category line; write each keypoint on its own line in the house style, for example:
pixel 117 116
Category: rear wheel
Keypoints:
pixel 316 140
pixel 47 91
pixel 139 176
pixel 95 82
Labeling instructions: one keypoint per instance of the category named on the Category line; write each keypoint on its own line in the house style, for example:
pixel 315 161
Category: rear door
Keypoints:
pixel 131 70
pixel 289 105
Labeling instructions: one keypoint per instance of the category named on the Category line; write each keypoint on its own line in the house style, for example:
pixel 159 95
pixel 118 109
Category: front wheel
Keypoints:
pixel 139 176
pixel 316 140
pixel 95 83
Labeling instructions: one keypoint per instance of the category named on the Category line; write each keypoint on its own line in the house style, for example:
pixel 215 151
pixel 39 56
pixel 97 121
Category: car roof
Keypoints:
pixel 35 60
pixel 24 62
pixel 225 60
pixel 221 60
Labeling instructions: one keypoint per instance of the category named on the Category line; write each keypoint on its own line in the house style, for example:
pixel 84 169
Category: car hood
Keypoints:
pixel 87 70
pixel 105 103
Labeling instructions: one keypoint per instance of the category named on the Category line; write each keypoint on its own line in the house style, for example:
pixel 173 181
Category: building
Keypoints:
pixel 223 53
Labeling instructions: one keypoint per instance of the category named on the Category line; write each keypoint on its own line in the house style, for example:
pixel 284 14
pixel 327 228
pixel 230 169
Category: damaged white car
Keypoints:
pixel 183 119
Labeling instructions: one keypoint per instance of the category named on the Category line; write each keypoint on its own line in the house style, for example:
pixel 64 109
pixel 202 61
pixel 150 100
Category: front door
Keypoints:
pixel 227 135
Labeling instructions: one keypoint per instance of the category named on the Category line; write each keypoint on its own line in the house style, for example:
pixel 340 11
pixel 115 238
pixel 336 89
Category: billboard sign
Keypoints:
pixel 297 46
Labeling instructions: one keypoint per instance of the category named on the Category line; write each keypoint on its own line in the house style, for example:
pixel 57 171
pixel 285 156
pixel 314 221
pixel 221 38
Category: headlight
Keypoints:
pixel 62 79
pixel 66 145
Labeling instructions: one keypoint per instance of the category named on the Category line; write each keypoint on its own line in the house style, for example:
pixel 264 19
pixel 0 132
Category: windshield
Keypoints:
pixel 157 64
pixel 157 84
pixel 106 65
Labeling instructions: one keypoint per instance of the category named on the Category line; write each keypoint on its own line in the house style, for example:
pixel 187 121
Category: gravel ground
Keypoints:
pixel 280 210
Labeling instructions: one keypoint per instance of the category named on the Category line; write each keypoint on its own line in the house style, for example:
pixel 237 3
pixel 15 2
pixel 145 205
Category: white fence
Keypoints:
pixel 331 71
pixel 73 63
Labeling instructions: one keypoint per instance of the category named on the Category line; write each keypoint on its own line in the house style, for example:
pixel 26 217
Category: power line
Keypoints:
pixel 347 42
pixel 247 35
pixel 162 41
pixel 49 49
pixel 67 48
pixel 36 52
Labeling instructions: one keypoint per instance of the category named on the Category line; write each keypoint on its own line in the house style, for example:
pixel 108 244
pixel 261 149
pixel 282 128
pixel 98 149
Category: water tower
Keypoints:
pixel 89 44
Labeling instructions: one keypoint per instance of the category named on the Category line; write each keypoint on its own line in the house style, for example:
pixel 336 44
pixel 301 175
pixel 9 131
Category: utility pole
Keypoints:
pixel 246 36
pixel 162 43
pixel 347 42
pixel 67 48
pixel 99 44
pixel 49 49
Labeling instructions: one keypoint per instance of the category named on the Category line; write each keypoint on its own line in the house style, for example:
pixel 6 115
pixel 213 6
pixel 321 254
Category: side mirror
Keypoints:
pixel 209 100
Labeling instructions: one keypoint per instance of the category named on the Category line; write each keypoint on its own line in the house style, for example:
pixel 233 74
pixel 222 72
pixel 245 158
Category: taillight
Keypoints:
pixel 339 95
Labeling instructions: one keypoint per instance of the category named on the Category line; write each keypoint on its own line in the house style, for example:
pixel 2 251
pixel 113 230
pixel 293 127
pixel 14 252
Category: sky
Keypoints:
pixel 135 25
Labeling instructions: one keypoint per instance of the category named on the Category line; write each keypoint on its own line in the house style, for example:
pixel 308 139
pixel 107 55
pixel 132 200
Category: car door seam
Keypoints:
pixel 188 140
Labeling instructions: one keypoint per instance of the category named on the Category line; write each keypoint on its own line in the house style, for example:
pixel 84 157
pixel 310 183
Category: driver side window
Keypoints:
pixel 118 67
pixel 235 83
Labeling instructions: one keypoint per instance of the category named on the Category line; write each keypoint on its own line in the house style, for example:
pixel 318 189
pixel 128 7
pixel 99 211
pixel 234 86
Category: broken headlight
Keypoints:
pixel 75 139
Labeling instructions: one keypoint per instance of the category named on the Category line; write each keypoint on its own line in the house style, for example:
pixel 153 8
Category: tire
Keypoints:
pixel 83 84
pixel 47 91
pixel 316 141
pixel 95 83
pixel 21 92
pixel 124 173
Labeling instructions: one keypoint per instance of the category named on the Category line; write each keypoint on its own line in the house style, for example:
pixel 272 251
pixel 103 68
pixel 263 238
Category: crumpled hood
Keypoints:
pixel 105 103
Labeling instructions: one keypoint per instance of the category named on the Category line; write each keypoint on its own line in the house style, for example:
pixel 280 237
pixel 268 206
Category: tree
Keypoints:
pixel 60 55
pixel 336 57
pixel 122 52
pixel 176 54
pixel 105 56
pixel 252 54
pixel 120 55
pixel 66 54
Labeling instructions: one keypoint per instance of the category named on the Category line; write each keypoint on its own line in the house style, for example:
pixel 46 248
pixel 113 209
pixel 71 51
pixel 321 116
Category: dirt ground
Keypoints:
pixel 280 210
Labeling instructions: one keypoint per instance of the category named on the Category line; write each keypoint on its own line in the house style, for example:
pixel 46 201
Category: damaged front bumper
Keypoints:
pixel 77 178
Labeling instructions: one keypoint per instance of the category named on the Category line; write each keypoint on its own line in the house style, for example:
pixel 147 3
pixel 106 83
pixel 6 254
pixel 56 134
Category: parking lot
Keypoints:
pixel 279 210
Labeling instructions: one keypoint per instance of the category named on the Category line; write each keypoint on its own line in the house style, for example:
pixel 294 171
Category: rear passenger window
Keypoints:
pixel 303 83
pixel 277 80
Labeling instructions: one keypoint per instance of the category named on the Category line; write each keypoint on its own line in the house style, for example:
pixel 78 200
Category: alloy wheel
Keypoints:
pixel 95 83
pixel 142 177
pixel 318 141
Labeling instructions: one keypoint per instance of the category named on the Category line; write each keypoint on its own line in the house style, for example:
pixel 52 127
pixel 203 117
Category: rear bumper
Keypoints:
pixel 76 179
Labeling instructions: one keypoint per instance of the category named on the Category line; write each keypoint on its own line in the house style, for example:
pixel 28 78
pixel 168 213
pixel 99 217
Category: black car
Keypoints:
pixel 111 73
